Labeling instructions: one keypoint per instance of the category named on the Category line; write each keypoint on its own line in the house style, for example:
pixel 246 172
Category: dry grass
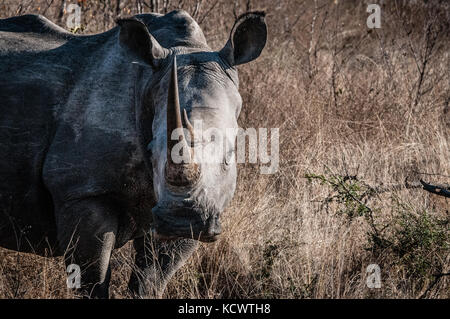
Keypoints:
pixel 349 101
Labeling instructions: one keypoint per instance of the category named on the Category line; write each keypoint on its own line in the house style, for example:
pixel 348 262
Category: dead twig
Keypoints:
pixel 442 190
pixel 437 277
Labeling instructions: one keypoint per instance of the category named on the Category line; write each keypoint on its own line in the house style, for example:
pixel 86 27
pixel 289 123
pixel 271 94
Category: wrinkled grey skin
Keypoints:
pixel 83 141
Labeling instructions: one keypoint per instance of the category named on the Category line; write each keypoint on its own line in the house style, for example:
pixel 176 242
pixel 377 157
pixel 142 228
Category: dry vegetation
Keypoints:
pixel 363 114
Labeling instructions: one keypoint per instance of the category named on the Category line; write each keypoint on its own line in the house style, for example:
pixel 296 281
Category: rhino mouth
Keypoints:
pixel 184 222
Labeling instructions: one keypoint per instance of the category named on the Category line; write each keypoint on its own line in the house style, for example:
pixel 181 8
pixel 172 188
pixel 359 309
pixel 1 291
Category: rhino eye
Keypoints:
pixel 228 159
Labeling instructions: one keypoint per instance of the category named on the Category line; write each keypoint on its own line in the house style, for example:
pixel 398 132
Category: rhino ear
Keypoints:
pixel 247 39
pixel 135 36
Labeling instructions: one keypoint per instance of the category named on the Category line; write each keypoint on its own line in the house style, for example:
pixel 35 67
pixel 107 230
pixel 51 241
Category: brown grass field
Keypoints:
pixel 363 115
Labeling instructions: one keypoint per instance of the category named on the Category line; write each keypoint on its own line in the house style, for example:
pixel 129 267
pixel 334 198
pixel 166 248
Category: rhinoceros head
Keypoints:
pixel 196 105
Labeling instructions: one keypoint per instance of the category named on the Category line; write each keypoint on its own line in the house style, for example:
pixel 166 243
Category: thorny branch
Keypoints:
pixel 442 190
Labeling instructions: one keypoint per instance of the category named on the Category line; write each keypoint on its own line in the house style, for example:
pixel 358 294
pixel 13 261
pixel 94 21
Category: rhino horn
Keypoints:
pixel 178 174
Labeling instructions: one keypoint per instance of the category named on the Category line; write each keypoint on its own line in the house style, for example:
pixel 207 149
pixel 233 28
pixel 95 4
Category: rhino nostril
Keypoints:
pixel 214 229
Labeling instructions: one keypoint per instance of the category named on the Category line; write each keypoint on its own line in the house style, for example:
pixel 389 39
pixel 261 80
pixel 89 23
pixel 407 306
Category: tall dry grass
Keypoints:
pixel 349 102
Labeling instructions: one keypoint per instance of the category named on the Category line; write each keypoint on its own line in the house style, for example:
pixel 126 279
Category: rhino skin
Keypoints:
pixel 83 138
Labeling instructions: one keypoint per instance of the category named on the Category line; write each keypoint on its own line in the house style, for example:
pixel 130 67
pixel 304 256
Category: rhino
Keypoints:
pixel 86 138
